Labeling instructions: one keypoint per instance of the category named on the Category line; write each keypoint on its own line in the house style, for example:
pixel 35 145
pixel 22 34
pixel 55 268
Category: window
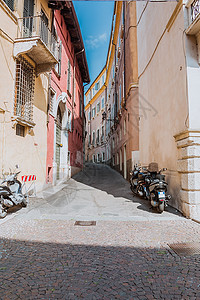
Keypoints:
pixel 97 136
pixel 102 133
pixel 69 121
pixel 103 78
pixel 123 84
pixel 120 134
pixel 113 143
pixel 113 160
pixel 124 126
pixel 93 158
pixel 120 95
pixel 93 112
pixel 98 107
pixel 89 115
pixel 58 66
pixel 93 138
pixel 102 103
pixel 20 130
pixel 10 4
pixel 97 85
pixel 117 158
pixel 24 89
pixel 103 156
pixel 69 77
pixel 81 105
pixel 89 139
pixel 98 157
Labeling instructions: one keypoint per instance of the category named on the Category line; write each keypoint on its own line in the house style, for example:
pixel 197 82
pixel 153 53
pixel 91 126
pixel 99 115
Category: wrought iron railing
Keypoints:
pixel 35 26
pixel 195 9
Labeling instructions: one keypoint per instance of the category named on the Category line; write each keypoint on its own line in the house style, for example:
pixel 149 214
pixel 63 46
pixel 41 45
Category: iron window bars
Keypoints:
pixel 24 89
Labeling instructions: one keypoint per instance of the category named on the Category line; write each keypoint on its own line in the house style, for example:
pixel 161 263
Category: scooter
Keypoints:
pixel 138 181
pixel 158 191
pixel 150 184
pixel 11 194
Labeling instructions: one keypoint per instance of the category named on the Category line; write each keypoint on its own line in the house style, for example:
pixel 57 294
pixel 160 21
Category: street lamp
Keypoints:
pixel 111 120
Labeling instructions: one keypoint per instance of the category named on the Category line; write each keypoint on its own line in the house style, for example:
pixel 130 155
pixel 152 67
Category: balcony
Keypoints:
pixel 36 40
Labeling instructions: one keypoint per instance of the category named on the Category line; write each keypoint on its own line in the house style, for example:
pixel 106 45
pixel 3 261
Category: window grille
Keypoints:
pixel 10 4
pixel 24 90
pixel 20 130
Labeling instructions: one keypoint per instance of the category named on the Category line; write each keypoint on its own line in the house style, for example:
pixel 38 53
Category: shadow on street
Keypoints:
pixel 104 178
pixel 35 270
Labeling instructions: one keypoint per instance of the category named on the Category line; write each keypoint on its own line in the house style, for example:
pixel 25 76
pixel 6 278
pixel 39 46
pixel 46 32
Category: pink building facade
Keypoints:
pixel 65 127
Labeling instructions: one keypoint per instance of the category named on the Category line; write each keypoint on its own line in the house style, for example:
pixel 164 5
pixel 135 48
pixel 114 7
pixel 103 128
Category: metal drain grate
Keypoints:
pixel 185 249
pixel 85 223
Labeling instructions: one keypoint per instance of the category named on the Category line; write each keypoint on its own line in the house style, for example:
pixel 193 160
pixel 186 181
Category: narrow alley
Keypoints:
pixel 124 255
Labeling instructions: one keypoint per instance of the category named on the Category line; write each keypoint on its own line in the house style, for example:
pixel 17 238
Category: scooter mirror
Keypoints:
pixel 17 166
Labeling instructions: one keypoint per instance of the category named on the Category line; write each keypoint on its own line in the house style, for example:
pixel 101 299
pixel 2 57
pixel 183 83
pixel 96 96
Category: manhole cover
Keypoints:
pixel 184 249
pixel 85 223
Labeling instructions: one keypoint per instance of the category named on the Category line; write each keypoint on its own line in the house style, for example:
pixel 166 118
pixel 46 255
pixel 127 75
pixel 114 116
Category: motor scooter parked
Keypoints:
pixel 11 193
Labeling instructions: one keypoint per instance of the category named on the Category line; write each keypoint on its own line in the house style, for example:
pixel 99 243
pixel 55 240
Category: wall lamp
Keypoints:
pixel 104 118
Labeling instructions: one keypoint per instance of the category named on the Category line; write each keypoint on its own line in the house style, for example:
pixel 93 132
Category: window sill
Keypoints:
pixel 21 121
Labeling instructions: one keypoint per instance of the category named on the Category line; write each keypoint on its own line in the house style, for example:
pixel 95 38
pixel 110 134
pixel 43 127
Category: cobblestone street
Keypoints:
pixel 125 256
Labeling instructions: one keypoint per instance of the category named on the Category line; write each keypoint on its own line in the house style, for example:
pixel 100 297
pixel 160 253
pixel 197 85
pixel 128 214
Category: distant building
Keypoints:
pixel 120 145
pixel 95 131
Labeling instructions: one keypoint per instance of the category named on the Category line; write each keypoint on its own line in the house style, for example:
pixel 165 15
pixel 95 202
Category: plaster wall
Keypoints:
pixel 162 89
pixel 28 151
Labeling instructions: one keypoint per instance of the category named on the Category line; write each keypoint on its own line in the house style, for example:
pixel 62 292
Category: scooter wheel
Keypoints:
pixel 24 203
pixel 3 212
pixel 161 207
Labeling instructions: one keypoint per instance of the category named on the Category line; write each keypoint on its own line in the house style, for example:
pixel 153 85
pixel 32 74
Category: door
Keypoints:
pixel 125 172
pixel 58 141
pixel 28 18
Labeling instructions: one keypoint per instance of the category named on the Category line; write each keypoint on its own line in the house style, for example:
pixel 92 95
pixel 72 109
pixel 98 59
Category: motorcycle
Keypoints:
pixel 11 194
pixel 158 191
pixel 150 184
pixel 138 181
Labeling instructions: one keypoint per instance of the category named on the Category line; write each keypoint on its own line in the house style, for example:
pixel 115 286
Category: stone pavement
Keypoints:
pixel 125 256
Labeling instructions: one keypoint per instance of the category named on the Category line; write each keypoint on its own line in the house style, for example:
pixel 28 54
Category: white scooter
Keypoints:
pixel 11 194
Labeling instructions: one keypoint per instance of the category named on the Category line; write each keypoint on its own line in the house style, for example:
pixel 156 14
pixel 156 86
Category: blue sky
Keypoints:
pixel 95 18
